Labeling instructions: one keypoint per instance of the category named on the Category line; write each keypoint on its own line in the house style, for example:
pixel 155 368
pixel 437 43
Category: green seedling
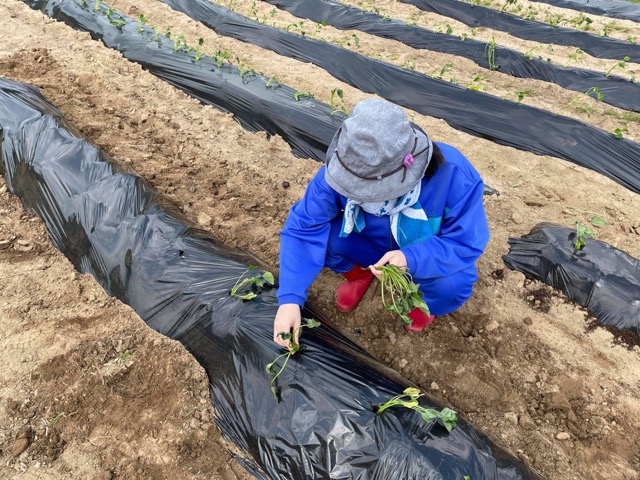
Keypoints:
pixel 399 293
pixel 245 70
pixel 409 399
pixel 300 93
pixel 598 221
pixel 156 33
pixel 96 6
pixel 293 349
pixel 613 27
pixel 490 51
pixel 576 56
pixel 409 64
pixel 337 103
pixel 582 101
pixel 180 43
pixel 621 64
pixel 529 53
pixel 619 132
pixel 522 93
pixel 476 84
pixel 142 20
pixel 273 82
pixel 412 20
pixel 108 12
pixel 220 56
pixel 582 232
pixel 121 22
pixel 256 283
pixel 446 29
pixel 443 70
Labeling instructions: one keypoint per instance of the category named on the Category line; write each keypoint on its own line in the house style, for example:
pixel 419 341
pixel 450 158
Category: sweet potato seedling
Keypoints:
pixel 337 103
pixel 621 64
pixel 582 232
pixel 409 399
pixel 490 51
pixel 300 94
pixel 273 82
pixel 399 293
pixel 293 349
pixel 255 283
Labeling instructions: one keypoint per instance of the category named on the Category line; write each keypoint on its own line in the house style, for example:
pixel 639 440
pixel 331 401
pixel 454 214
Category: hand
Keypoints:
pixel 288 320
pixel 394 257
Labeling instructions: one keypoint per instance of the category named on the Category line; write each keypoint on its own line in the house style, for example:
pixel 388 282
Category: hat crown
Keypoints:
pixel 375 138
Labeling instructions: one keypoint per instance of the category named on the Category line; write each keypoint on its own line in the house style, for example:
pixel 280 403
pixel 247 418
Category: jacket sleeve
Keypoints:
pixel 463 235
pixel 303 240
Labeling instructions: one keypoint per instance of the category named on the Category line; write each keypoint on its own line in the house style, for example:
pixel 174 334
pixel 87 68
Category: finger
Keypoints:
pixel 384 260
pixel 377 273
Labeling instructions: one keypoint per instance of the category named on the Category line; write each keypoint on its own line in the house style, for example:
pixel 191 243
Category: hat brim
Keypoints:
pixel 378 190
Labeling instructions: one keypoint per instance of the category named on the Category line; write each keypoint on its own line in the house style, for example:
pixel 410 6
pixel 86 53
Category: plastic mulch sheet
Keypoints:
pixel 599 277
pixel 477 16
pixel 608 8
pixel 617 91
pixel 507 123
pixel 177 278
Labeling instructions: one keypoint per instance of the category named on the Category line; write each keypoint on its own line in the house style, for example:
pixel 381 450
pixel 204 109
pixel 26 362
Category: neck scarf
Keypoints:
pixel 409 222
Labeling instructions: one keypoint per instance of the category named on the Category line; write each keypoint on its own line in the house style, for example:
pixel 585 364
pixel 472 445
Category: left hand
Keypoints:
pixel 394 257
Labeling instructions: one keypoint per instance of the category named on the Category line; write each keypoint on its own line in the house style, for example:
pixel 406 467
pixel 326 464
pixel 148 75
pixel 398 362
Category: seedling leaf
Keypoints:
pixel 599 222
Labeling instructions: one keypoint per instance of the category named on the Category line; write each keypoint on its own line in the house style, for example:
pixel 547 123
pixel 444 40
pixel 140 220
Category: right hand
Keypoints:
pixel 288 320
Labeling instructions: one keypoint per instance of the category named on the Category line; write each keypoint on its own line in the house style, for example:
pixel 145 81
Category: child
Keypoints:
pixel 386 195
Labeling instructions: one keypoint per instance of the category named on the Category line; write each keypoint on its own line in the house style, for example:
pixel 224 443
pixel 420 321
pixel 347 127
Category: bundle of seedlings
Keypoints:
pixel 399 292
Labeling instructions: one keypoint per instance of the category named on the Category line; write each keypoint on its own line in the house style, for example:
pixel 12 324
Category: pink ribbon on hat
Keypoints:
pixel 408 160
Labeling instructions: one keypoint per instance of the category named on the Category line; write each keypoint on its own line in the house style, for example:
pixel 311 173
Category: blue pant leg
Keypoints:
pixel 344 252
pixel 446 294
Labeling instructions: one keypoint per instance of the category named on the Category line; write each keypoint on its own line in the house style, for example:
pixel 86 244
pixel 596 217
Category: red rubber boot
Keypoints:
pixel 419 320
pixel 351 291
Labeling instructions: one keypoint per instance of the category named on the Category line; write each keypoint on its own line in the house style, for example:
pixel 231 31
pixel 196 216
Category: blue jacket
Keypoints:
pixel 451 198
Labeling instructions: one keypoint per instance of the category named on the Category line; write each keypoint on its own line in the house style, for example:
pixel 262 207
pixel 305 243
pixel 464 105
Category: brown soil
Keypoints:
pixel 87 390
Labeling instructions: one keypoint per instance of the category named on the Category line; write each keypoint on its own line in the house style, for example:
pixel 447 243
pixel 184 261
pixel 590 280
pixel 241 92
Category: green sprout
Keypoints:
pixel 621 64
pixel 582 101
pixel 180 43
pixel 220 56
pixel 273 82
pixel 619 132
pixel 399 293
pixel 142 20
pixel 156 31
pixel 245 70
pixel 96 6
pixel 301 93
pixel 409 399
pixel 582 232
pixel 118 23
pixel 442 69
pixel 337 103
pixel 293 349
pixel 256 283
pixel 576 56
pixel 490 51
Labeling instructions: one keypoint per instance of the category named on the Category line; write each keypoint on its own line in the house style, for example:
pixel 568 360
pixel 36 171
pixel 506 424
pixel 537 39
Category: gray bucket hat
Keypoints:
pixel 377 154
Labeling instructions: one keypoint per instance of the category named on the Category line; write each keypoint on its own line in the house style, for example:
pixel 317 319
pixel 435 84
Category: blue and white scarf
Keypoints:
pixel 409 222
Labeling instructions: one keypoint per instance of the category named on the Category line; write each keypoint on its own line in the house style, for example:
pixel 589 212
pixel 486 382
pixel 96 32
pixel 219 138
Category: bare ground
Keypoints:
pixel 80 395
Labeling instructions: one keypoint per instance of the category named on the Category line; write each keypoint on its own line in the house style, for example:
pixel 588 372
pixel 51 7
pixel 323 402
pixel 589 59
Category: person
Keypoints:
pixel 386 195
